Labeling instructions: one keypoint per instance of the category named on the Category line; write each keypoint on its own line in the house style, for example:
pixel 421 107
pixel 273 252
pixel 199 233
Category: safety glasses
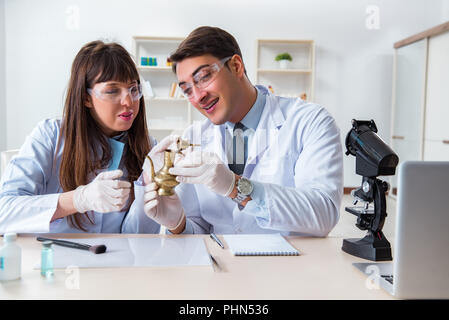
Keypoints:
pixel 203 77
pixel 115 92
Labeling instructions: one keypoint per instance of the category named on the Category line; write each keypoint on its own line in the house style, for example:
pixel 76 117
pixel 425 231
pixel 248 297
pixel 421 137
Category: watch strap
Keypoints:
pixel 239 198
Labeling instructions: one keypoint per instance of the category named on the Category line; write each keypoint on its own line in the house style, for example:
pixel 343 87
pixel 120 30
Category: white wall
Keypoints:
pixel 353 63
pixel 445 11
pixel 2 77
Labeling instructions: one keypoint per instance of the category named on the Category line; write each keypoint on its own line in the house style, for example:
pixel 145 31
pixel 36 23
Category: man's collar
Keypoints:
pixel 251 120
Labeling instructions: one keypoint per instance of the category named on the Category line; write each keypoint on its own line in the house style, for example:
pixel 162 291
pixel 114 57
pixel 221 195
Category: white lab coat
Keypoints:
pixel 29 192
pixel 296 160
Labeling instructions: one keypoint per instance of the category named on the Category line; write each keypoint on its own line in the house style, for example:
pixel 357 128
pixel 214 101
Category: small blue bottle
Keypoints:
pixel 47 259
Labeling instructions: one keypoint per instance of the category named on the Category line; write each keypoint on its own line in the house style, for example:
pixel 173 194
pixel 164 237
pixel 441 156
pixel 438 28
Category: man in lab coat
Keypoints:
pixel 266 163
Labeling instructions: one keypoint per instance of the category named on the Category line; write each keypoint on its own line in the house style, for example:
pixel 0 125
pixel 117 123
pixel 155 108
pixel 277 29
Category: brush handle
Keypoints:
pixel 65 243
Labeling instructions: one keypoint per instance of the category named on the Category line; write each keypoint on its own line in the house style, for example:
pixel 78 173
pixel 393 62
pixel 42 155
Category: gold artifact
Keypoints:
pixel 166 181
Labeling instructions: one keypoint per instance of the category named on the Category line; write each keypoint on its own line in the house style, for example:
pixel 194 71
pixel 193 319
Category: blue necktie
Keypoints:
pixel 239 149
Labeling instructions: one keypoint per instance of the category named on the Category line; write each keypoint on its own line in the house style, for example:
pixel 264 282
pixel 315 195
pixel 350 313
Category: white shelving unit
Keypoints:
pixel 165 114
pixel 298 78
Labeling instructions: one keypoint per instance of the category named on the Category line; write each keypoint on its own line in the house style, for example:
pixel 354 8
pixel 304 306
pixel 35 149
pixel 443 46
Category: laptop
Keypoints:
pixel 420 267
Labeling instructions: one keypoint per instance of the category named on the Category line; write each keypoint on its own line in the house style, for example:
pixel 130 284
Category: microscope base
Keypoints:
pixel 367 249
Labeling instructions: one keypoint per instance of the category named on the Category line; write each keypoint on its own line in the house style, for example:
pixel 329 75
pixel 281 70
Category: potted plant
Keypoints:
pixel 284 59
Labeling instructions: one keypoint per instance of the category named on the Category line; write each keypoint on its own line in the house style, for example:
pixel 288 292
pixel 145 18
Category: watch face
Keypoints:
pixel 245 186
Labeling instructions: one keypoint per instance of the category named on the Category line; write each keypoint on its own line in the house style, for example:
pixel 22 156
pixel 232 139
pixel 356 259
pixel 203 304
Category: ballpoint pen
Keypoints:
pixel 215 238
pixel 215 263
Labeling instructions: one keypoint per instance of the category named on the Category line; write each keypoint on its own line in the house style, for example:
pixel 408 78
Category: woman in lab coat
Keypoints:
pixel 79 174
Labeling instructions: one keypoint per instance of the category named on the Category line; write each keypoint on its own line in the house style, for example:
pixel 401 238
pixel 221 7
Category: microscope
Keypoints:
pixel 373 158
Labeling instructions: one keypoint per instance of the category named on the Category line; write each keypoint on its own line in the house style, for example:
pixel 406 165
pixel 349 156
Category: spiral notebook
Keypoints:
pixel 259 245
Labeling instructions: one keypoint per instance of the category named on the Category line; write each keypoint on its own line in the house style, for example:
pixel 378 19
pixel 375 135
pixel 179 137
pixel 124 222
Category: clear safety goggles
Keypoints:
pixel 203 77
pixel 115 92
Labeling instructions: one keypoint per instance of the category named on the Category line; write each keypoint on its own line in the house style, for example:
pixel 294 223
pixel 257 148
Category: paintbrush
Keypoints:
pixel 94 249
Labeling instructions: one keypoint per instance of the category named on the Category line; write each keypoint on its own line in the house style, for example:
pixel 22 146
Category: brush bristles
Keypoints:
pixel 98 249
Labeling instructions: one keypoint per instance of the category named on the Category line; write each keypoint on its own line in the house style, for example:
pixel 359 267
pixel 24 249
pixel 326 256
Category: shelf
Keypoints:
pixel 162 39
pixel 277 41
pixel 284 70
pixel 153 68
pixel 165 114
pixel 299 75
pixel 165 99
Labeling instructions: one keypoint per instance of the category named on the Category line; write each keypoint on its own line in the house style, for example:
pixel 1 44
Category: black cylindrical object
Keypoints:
pixel 373 156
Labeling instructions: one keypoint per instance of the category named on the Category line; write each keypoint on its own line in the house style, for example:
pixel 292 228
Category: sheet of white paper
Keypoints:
pixel 133 252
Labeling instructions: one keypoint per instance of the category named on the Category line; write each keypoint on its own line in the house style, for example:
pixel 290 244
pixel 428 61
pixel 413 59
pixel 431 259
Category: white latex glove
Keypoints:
pixel 165 210
pixel 204 168
pixel 157 153
pixel 104 194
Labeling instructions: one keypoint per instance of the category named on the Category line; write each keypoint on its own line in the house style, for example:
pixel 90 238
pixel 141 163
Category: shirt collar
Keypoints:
pixel 251 120
pixel 122 137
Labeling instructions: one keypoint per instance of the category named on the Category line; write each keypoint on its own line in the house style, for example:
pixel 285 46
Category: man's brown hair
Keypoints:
pixel 206 40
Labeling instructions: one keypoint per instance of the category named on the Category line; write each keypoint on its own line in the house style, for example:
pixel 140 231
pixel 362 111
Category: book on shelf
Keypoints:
pixel 178 93
pixel 147 89
pixel 172 91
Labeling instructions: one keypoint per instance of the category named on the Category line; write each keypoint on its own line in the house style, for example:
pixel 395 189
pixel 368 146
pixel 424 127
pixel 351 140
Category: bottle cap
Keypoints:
pixel 47 244
pixel 9 237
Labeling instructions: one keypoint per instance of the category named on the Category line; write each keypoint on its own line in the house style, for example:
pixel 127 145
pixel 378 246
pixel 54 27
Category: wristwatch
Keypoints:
pixel 244 189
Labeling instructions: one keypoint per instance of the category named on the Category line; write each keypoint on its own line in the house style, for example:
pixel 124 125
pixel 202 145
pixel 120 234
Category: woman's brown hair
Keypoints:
pixel 86 148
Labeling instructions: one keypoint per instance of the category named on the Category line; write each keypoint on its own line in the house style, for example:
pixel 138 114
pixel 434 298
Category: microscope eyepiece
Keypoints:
pixel 373 156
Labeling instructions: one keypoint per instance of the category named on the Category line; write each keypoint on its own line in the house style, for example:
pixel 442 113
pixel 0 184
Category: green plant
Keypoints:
pixel 283 56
